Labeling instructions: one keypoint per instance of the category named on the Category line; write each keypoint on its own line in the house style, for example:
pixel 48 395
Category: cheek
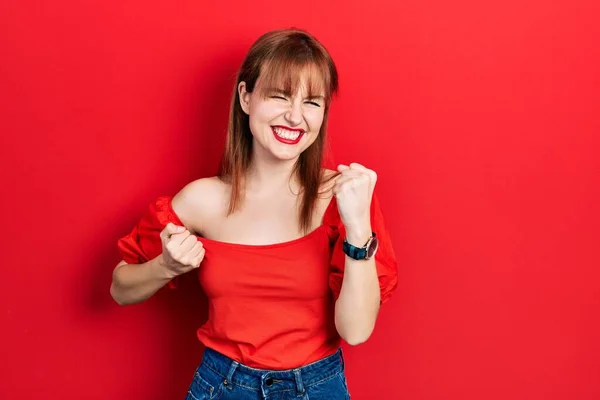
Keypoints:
pixel 260 116
pixel 266 111
pixel 314 120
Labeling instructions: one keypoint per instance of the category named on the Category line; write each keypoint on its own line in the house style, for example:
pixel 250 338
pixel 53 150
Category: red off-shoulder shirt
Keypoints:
pixel 270 306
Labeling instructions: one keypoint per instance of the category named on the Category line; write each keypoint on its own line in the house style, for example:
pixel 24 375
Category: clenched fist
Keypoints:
pixel 353 191
pixel 182 251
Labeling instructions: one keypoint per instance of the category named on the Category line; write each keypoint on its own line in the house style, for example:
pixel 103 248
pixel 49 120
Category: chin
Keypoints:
pixel 285 152
pixel 285 156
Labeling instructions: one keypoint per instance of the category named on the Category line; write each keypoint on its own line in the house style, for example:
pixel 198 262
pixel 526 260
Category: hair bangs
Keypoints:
pixel 290 74
pixel 285 61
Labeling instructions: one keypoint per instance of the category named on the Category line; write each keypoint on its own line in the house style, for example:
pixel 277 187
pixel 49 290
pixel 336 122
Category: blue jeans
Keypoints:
pixel 220 378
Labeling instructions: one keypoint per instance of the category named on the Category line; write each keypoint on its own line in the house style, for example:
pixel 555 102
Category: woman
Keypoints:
pixel 285 249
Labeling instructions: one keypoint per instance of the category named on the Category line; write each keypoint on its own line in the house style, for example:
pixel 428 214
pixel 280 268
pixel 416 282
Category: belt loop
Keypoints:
pixel 299 384
pixel 232 368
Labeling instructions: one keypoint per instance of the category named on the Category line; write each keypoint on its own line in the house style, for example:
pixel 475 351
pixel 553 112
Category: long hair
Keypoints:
pixel 280 58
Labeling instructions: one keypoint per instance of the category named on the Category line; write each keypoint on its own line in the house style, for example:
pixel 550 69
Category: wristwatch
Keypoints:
pixel 362 253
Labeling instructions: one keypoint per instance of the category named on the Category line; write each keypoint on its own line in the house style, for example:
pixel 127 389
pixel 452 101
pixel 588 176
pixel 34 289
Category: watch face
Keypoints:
pixel 372 249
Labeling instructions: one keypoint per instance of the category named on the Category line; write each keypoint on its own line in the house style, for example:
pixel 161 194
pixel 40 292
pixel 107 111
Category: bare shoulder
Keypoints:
pixel 198 200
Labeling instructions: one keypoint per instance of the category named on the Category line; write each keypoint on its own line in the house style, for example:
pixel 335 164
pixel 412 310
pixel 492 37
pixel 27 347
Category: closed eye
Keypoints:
pixel 314 103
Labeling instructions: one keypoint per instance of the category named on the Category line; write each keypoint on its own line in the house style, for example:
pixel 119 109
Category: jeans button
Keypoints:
pixel 269 381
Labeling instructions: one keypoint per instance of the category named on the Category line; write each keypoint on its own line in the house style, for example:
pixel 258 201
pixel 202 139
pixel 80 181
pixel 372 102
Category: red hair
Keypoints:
pixel 280 58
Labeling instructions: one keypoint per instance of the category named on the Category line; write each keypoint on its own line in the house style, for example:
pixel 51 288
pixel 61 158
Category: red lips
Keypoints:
pixel 284 140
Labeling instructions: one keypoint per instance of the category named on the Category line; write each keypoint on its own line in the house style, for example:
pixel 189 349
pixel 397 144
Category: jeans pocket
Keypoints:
pixel 330 388
pixel 206 385
pixel 342 377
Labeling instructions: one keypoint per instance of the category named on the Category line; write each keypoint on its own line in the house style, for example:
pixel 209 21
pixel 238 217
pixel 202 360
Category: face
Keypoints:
pixel 283 124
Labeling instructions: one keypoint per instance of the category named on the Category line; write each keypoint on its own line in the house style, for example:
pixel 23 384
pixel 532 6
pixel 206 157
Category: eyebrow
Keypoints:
pixel 286 93
pixel 275 90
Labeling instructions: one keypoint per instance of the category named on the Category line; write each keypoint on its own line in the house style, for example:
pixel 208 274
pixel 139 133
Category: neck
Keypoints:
pixel 268 173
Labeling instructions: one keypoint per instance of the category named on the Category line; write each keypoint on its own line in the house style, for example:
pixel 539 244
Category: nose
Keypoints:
pixel 294 114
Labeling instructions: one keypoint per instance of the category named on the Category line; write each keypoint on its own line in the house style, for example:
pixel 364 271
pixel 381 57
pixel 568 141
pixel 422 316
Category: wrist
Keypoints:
pixel 161 269
pixel 358 235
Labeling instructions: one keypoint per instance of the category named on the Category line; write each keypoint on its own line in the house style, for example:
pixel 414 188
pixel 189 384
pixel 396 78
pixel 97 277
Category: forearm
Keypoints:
pixel 134 283
pixel 358 303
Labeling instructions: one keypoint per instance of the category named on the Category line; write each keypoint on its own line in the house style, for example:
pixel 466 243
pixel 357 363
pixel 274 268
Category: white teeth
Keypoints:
pixel 286 134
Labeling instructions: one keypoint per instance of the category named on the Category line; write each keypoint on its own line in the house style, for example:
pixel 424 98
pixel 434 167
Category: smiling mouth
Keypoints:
pixel 287 135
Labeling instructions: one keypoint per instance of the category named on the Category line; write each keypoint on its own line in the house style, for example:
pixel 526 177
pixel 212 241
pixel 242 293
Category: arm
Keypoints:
pixel 360 286
pixel 134 283
pixel 357 306
pixel 158 251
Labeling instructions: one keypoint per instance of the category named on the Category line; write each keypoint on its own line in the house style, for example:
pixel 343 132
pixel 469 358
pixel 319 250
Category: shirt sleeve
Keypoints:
pixel 385 259
pixel 143 243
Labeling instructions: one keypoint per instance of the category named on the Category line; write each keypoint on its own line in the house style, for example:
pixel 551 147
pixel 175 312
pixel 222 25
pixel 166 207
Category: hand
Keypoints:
pixel 353 191
pixel 182 251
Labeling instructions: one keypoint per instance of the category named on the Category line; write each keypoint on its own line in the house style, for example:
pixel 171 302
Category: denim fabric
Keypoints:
pixel 220 378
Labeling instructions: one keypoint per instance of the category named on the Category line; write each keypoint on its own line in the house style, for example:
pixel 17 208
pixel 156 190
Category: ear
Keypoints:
pixel 244 96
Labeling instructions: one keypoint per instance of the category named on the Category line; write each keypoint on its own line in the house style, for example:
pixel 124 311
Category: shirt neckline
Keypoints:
pixel 309 235
pixel 263 246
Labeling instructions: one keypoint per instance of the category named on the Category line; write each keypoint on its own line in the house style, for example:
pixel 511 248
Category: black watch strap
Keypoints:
pixel 357 253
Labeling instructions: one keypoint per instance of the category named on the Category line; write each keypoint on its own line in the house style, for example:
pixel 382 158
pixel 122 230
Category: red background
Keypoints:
pixel 481 119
